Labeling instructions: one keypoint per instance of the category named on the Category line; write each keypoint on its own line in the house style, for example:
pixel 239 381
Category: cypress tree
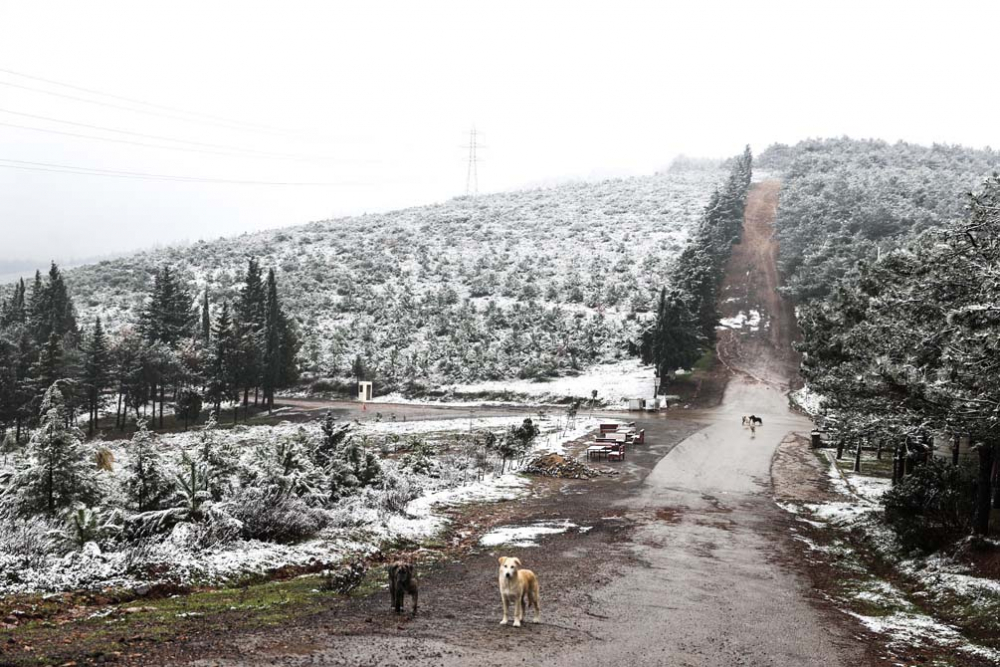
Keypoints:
pixel 206 319
pixel 272 342
pixel 250 323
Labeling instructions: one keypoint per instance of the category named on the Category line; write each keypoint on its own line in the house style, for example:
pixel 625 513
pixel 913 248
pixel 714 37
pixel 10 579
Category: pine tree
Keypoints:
pixel 223 374
pixel 96 372
pixel 51 310
pixel 148 483
pixel 167 317
pixel 50 367
pixel 57 470
pixel 14 309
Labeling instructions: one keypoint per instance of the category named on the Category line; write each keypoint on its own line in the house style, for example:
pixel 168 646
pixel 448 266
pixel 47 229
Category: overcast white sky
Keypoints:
pixel 379 98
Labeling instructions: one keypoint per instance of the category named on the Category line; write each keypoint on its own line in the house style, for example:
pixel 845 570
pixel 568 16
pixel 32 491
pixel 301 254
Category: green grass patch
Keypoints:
pixel 137 625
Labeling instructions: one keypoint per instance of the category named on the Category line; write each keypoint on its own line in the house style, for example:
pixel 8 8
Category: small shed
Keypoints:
pixel 636 403
pixel 364 391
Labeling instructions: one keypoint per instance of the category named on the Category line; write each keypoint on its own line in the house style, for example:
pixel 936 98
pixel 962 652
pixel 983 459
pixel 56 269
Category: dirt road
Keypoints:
pixel 682 560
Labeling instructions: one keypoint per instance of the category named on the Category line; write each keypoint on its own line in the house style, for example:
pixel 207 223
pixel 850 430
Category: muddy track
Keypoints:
pixel 762 352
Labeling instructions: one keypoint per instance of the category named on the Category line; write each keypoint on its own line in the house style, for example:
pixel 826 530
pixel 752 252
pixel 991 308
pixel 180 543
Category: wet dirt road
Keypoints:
pixel 682 560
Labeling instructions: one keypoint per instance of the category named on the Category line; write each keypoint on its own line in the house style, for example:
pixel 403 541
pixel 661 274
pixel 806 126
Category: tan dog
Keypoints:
pixel 516 585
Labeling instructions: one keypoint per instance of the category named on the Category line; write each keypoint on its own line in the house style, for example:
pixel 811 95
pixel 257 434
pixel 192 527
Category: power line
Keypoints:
pixel 137 101
pixel 93 171
pixel 142 111
pixel 252 152
pixel 135 143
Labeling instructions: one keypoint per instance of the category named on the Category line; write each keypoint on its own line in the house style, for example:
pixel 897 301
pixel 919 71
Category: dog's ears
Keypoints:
pixel 502 559
pixel 517 561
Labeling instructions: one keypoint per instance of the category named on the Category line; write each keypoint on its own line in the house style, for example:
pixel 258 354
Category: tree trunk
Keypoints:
pixel 954 449
pixel 857 458
pixel 161 406
pixel 981 518
pixel 878 451
pixel 995 483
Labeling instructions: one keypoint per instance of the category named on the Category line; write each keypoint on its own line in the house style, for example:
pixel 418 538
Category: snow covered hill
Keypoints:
pixel 529 284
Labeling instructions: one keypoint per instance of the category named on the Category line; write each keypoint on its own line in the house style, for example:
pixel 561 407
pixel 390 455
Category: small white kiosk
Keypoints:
pixel 364 391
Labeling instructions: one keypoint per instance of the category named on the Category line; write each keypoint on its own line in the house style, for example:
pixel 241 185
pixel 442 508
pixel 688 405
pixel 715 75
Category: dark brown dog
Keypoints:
pixel 402 581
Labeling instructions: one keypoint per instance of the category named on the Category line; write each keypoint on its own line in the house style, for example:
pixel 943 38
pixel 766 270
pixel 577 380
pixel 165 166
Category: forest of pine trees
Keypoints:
pixel 905 348
pixel 180 356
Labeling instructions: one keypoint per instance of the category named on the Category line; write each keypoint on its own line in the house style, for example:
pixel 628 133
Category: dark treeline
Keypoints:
pixel 181 353
pixel 687 312
pixel 907 347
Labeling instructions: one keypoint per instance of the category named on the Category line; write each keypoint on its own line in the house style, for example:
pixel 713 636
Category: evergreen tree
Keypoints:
pixel 249 329
pixel 673 342
pixel 148 483
pixel 51 310
pixel 14 310
pixel 96 372
pixel 57 470
pixel 223 375
pixel 206 319
pixel 281 346
pixel 50 367
pixel 167 317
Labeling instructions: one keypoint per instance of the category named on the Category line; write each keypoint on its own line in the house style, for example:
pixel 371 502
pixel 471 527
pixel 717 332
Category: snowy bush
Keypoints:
pixel 25 543
pixel 271 516
pixel 397 489
pixel 933 505
pixel 345 578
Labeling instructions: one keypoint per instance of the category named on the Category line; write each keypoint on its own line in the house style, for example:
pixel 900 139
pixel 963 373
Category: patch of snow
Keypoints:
pixel 742 320
pixel 809 401
pixel 613 382
pixel 524 536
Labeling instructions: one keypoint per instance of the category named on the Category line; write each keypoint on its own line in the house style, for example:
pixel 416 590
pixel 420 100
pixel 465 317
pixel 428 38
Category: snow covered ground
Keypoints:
pixel 356 526
pixel 524 536
pixel 613 382
pixel 892 612
pixel 744 319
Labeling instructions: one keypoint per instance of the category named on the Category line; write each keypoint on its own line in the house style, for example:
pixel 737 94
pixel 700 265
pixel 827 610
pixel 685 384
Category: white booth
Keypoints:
pixel 364 391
